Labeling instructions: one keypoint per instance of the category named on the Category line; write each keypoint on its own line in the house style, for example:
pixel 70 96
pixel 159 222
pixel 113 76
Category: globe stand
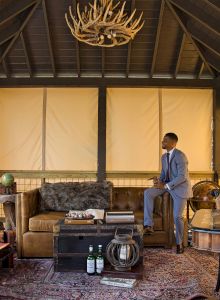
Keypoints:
pixel 8 190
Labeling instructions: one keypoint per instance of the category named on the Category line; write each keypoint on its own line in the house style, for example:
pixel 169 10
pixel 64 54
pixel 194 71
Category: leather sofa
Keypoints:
pixel 37 211
pixel 34 221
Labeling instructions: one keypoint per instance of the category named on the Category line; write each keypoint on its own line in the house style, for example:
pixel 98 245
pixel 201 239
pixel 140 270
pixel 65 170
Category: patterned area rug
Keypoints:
pixel 166 276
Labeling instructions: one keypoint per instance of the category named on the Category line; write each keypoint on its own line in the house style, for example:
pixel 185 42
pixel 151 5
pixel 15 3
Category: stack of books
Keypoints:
pixel 119 217
pixel 119 282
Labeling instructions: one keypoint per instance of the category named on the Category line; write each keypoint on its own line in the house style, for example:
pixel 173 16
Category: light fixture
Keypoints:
pixel 123 252
pixel 104 24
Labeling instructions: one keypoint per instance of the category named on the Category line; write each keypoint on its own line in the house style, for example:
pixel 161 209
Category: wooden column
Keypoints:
pixel 102 134
pixel 216 133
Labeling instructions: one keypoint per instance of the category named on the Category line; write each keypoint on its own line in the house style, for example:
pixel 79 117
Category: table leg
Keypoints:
pixel 9 211
pixel 187 211
pixel 218 279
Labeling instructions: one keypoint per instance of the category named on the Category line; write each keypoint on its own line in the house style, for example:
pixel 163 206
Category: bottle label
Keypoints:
pixel 99 265
pixel 90 266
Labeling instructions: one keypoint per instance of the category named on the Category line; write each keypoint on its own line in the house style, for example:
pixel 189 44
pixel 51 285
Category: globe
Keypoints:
pixel 204 194
pixel 7 179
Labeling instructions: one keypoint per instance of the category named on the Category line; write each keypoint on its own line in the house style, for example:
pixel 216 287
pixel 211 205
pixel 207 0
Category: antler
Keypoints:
pixel 103 24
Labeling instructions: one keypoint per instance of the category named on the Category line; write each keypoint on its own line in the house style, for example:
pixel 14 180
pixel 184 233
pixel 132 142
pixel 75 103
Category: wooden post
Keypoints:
pixel 102 134
pixel 216 133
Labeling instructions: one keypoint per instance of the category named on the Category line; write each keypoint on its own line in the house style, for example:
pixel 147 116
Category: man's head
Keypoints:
pixel 169 141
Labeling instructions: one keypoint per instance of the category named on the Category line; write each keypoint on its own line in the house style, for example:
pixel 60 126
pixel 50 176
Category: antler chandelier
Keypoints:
pixel 104 24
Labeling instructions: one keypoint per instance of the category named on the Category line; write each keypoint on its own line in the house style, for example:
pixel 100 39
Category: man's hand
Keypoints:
pixel 159 184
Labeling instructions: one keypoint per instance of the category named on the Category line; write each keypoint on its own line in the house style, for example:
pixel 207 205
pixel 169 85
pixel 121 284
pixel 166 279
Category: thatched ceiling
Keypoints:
pixel 180 40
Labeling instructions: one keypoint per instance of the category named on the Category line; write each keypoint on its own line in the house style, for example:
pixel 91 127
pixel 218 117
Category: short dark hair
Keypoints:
pixel 172 136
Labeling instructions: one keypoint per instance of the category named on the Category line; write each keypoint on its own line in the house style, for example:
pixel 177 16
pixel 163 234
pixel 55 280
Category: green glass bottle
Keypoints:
pixel 90 262
pixel 99 261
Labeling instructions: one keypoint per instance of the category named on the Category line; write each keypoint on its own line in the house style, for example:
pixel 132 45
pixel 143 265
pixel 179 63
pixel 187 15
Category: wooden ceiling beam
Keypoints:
pixel 157 37
pixel 26 54
pixel 129 45
pixel 9 32
pixel 49 37
pixel 8 48
pixel 108 82
pixel 14 8
pixel 203 17
pixel 179 55
pixel 181 23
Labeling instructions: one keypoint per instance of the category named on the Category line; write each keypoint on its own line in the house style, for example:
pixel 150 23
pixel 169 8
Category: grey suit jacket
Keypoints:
pixel 179 176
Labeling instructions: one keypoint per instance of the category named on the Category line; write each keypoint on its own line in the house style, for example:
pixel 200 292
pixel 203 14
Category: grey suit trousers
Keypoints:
pixel 178 207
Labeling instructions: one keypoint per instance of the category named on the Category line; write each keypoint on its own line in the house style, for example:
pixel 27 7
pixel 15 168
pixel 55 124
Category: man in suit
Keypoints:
pixel 174 178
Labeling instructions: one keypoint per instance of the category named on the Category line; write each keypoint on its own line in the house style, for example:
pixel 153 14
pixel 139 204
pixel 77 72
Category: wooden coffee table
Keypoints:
pixel 71 244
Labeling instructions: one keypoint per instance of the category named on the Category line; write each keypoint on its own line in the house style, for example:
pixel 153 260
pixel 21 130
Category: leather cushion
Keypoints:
pixel 37 244
pixel 45 221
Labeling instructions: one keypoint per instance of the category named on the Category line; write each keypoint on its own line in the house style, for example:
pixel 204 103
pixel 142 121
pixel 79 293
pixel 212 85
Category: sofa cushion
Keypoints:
pixel 45 221
pixel 65 196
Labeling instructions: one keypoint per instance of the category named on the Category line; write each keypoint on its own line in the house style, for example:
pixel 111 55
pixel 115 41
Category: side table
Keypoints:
pixel 205 226
pixel 9 209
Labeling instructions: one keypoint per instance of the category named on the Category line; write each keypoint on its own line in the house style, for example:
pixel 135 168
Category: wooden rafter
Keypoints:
pixel 8 48
pixel 201 69
pixel 212 5
pixel 212 59
pixel 26 54
pixel 5 68
pixel 15 8
pixel 206 45
pixel 49 38
pixel 157 37
pixel 180 54
pixel 204 36
pixel 129 45
pixel 189 35
pixel 182 5
pixel 77 43
pixel 9 32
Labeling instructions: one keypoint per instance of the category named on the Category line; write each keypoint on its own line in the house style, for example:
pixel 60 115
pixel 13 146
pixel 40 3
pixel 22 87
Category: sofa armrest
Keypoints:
pixel 27 205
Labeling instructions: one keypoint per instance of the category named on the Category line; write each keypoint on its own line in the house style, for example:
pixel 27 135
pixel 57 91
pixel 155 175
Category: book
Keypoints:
pixel 119 282
pixel 124 212
pixel 119 217
pixel 78 221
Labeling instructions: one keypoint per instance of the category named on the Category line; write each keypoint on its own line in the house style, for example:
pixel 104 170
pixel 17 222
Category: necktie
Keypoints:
pixel 168 168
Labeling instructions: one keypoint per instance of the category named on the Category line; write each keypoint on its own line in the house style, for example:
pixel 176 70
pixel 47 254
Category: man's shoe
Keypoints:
pixel 148 230
pixel 179 249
